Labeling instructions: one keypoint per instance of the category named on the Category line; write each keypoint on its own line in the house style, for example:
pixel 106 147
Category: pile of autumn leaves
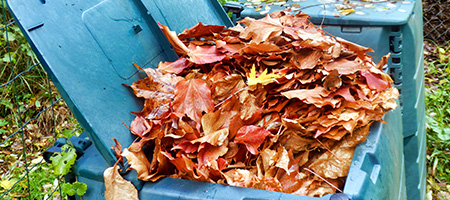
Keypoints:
pixel 277 105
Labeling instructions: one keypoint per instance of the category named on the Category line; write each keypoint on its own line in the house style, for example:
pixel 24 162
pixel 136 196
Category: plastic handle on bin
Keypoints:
pixel 234 7
pixel 339 196
pixel 80 144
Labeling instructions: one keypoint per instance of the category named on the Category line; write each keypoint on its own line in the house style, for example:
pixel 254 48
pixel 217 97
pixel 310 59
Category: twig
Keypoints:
pixel 328 149
pixel 311 171
pixel 323 16
pixel 229 97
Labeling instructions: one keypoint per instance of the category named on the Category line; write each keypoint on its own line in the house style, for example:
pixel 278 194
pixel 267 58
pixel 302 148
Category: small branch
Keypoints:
pixel 328 149
pixel 311 171
pixel 229 97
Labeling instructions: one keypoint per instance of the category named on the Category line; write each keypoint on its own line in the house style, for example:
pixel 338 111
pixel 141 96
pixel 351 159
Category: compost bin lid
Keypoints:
pixel 334 12
pixel 88 47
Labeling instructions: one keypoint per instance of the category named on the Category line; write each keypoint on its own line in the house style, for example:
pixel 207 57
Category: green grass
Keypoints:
pixel 437 71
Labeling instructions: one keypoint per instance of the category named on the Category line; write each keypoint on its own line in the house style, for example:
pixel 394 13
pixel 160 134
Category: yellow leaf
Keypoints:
pixel 7 184
pixel 263 78
pixel 347 11
pixel 447 70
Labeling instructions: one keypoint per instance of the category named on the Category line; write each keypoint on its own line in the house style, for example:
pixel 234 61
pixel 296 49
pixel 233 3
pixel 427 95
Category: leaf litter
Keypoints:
pixel 276 104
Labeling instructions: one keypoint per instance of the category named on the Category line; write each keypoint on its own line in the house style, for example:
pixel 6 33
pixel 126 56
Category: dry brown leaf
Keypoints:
pixel 116 187
pixel 177 44
pixel 345 67
pixel 138 161
pixel 200 30
pixel 261 30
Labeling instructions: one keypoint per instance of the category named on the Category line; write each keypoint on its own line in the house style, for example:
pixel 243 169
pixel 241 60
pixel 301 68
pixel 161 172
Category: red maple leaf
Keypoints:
pixel 252 137
pixel 192 97
pixel 374 81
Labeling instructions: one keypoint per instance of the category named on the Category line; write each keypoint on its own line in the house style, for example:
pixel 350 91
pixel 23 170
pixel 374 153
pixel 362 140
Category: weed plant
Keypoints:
pixel 437 71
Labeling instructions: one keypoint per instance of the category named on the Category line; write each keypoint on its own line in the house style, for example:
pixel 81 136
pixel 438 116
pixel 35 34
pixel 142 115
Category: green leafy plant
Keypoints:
pixel 75 188
pixel 62 164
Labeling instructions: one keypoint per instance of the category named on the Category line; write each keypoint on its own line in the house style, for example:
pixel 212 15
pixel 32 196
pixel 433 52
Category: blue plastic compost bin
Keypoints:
pixel 88 46
pixel 387 27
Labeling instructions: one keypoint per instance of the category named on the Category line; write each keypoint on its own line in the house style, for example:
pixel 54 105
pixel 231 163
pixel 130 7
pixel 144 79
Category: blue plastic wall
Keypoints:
pixel 88 46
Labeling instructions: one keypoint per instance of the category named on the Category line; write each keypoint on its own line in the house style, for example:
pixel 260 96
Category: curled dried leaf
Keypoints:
pixel 116 187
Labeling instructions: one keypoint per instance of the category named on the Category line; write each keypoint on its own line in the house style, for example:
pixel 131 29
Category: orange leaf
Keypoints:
pixel 307 59
pixel 261 30
pixel 345 92
pixel 175 67
pixel 192 97
pixel 177 44
pixel 344 66
pixel 209 153
pixel 200 30
pixel 139 162
pixel 317 96
pixel 204 54
pixel 358 49
pixel 332 81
